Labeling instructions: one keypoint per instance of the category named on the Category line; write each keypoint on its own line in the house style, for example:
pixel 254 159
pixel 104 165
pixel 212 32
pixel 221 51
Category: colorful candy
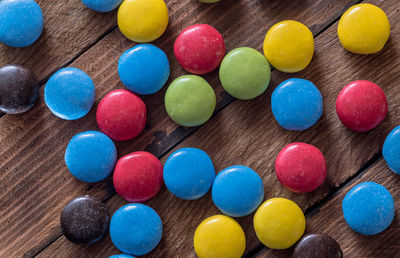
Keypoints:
pixel 209 1
pixel 189 173
pixel 121 115
pixel 135 229
pixel 245 73
pixel 219 236
pixel 237 191
pixel 199 49
pixel 368 208
pixel 361 106
pixel 103 6
pixel 279 223
pixel 121 256
pixel 317 246
pixel 391 150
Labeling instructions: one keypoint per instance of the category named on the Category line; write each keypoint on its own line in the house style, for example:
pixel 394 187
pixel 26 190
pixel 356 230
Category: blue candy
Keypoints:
pixel 122 256
pixel 69 93
pixel 21 22
pixel 144 69
pixel 237 191
pixel 102 5
pixel 189 173
pixel 296 104
pixel 368 208
pixel 91 156
pixel 135 229
pixel 391 150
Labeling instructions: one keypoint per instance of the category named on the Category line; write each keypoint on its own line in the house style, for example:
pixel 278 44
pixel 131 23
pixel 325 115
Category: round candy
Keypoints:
pixel 289 46
pixel 368 208
pixel 317 246
pixel 19 89
pixel 190 100
pixel 219 236
pixel 189 173
pixel 209 1
pixel 237 191
pixel 138 176
pixel 300 167
pixel 391 150
pixel 296 104
pixel 245 73
pixel 199 49
pixel 121 256
pixel 279 223
pixel 69 93
pixel 102 5
pixel 91 156
pixel 121 115
pixel 144 69
pixel 135 229
pixel 143 20
pixel 363 29
pixel 361 106
pixel 84 220
pixel 21 22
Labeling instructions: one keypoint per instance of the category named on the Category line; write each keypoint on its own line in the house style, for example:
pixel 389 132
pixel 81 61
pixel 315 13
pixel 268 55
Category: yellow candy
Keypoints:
pixel 143 20
pixel 289 46
pixel 363 29
pixel 279 223
pixel 219 236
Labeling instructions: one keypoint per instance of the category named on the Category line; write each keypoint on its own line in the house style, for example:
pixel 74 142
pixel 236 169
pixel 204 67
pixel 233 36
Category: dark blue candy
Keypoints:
pixel 122 256
pixel 391 150
pixel 102 5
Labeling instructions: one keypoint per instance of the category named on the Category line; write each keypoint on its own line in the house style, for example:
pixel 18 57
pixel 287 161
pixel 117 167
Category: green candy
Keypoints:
pixel 209 1
pixel 245 73
pixel 190 100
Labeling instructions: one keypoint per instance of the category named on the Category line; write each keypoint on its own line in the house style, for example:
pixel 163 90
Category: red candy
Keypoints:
pixel 300 167
pixel 121 115
pixel 138 176
pixel 361 106
pixel 199 49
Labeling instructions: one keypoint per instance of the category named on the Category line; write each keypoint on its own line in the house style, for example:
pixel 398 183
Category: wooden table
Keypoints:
pixel 35 183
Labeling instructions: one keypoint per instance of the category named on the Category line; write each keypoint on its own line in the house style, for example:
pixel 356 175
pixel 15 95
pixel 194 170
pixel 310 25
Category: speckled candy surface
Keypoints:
pixel 296 104
pixel 102 5
pixel 21 22
pixel 368 208
pixel 19 89
pixel 391 150
pixel 136 229
pixel 317 246
pixel 199 49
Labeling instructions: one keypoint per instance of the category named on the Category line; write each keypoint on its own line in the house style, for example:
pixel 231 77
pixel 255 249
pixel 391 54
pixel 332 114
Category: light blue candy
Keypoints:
pixel 368 208
pixel 91 156
pixel 391 150
pixel 296 104
pixel 21 22
pixel 189 173
pixel 122 256
pixel 144 69
pixel 69 93
pixel 237 191
pixel 102 5
pixel 136 229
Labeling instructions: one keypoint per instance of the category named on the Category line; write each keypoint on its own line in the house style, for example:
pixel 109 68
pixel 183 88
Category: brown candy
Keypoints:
pixel 317 246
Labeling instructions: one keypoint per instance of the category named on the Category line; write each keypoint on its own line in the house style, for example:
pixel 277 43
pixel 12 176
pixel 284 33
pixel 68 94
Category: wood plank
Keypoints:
pixel 246 133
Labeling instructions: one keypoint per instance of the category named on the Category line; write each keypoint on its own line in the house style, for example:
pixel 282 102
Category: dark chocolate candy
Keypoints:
pixel 317 246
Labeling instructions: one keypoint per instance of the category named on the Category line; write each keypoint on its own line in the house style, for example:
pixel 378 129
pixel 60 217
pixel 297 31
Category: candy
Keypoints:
pixel 69 93
pixel 245 73
pixel 391 150
pixel 19 89
pixel 209 1
pixel 199 49
pixel 84 220
pixel 144 69
pixel 135 229
pixel 368 208
pixel 317 246
pixel 91 156
pixel 121 115
pixel 102 5
pixel 296 104
pixel 121 256
pixel 279 223
pixel 237 191
pixel 289 46
pixel 219 236
pixel 363 29
pixel 361 106
pixel 300 167
pixel 143 20
pixel 190 100
pixel 21 22
pixel 138 176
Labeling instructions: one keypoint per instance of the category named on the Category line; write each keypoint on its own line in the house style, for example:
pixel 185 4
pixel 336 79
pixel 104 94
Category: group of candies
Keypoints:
pixel 189 173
